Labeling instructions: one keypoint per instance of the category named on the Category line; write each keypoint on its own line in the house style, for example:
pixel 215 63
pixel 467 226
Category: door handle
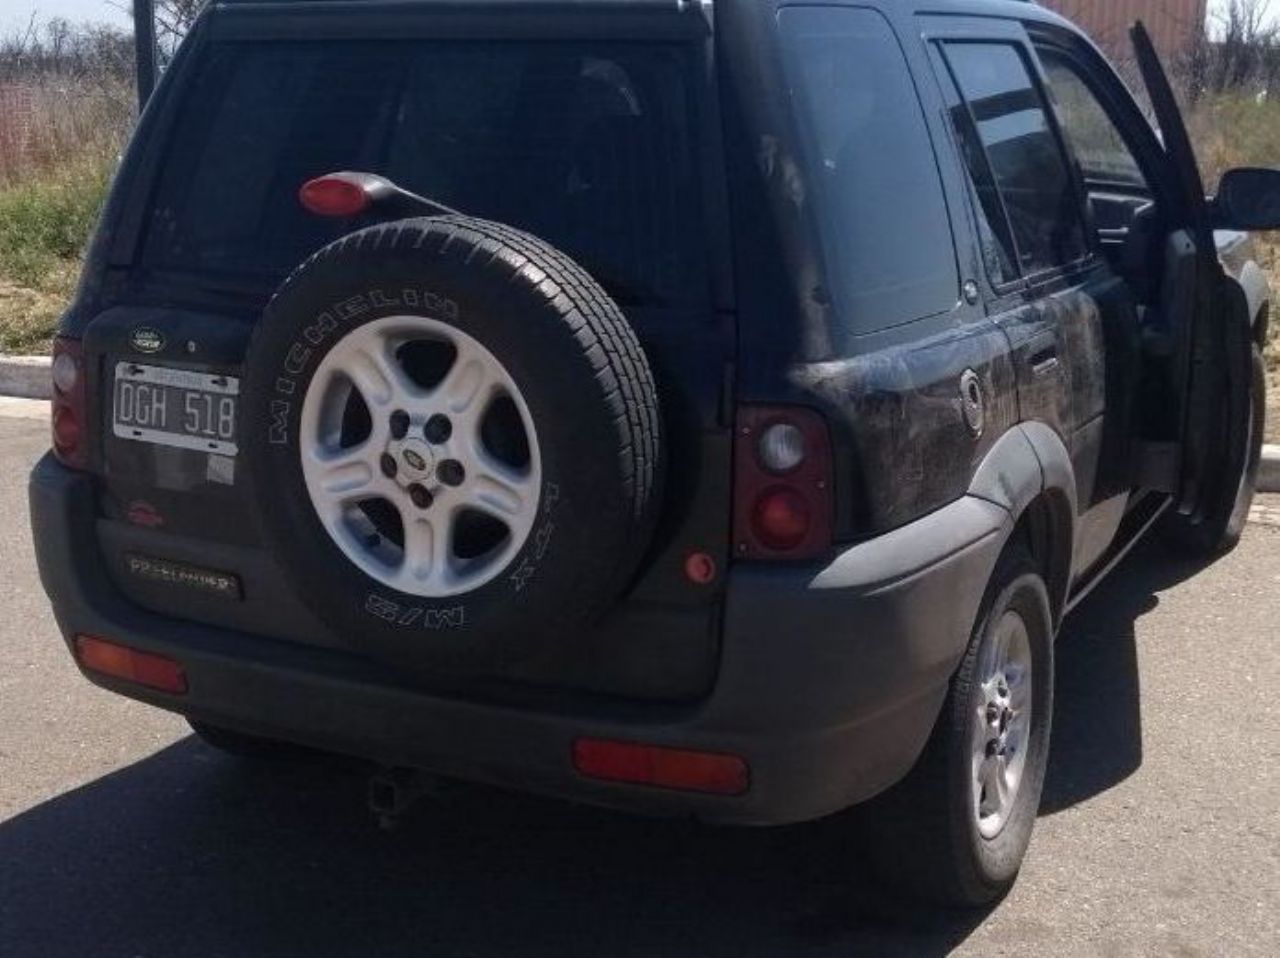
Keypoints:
pixel 1044 361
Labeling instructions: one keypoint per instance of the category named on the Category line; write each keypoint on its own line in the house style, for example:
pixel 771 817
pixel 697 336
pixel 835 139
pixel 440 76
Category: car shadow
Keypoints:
pixel 189 852
pixel 192 853
pixel 1097 723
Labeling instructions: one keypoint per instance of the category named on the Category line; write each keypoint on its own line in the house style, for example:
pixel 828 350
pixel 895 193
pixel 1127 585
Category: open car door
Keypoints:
pixel 1206 328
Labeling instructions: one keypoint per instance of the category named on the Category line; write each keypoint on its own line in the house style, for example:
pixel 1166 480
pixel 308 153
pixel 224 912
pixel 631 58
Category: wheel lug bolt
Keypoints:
pixel 451 472
pixel 421 497
pixel 399 424
pixel 388 465
pixel 438 429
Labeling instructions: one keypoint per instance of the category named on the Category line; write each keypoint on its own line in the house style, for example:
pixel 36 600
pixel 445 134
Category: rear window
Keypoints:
pixel 886 230
pixel 589 146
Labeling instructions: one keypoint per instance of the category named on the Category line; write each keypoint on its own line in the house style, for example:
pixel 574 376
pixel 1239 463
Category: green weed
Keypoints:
pixel 45 221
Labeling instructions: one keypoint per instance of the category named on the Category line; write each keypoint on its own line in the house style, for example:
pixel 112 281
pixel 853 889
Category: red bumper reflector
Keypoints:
pixel 122 662
pixel 636 764
pixel 700 568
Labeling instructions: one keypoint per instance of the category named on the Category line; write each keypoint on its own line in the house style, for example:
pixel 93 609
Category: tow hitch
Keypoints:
pixel 393 791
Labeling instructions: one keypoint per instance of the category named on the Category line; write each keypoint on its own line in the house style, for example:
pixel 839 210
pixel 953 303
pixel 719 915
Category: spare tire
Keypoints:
pixel 453 442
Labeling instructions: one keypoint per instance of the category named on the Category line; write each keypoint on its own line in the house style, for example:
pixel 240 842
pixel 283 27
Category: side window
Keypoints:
pixel 998 251
pixel 870 160
pixel 1022 154
pixel 1101 151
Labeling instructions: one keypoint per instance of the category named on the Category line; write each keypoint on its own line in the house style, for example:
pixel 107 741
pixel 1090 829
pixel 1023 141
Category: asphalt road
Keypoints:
pixel 122 836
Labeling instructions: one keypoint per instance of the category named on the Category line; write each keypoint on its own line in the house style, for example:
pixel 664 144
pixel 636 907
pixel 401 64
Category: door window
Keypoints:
pixel 1101 151
pixel 998 251
pixel 1020 155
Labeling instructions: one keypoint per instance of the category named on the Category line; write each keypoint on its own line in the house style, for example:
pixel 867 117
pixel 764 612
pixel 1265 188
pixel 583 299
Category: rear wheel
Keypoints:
pixel 1219 532
pixel 956 829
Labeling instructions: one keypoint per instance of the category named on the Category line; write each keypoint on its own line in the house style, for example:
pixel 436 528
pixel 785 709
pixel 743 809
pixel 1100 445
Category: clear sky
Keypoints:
pixel 14 14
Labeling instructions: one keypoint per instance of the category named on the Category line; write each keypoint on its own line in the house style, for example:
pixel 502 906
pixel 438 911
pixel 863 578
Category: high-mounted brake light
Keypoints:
pixel 335 194
pixel 782 507
pixel 68 406
pixel 352 192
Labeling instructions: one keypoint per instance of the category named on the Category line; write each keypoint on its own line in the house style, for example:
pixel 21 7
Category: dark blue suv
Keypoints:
pixel 698 408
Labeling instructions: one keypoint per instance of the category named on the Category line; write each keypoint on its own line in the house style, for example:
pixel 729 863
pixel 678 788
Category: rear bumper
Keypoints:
pixel 830 679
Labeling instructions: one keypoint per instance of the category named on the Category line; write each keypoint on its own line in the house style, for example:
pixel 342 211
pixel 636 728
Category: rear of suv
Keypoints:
pixel 698 409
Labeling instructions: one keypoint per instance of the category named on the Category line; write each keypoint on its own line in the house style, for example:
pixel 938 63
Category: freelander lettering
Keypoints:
pixel 174 573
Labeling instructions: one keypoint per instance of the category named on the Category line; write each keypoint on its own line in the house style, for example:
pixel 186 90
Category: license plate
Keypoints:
pixel 176 407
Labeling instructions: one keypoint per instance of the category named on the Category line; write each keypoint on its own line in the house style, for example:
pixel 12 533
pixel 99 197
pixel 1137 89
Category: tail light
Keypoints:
pixel 782 484
pixel 70 442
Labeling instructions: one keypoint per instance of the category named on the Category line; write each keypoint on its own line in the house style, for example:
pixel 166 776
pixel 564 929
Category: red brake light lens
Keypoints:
pixel 68 407
pixel 711 772
pixel 333 195
pixel 121 662
pixel 66 430
pixel 781 518
pixel 782 484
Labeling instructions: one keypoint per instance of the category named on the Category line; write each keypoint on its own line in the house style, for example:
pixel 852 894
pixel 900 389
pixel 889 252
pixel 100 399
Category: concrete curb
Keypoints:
pixel 1269 471
pixel 25 376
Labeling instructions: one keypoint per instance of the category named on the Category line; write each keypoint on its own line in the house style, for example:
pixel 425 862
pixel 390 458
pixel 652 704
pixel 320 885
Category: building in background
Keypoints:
pixel 1177 26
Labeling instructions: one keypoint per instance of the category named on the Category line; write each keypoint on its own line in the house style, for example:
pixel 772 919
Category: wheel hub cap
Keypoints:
pixel 1002 723
pixel 420 456
pixel 416 458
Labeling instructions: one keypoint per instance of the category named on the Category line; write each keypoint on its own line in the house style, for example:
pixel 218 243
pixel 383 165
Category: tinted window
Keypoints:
pixel 588 146
pixel 998 250
pixel 871 162
pixel 1024 158
pixel 1097 144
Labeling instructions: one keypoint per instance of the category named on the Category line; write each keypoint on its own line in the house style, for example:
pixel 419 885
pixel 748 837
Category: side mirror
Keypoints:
pixel 1248 199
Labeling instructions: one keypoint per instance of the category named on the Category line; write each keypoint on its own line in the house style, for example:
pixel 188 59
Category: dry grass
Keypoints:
pixel 45 221
pixel 46 122
pixel 59 138
pixel 31 315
